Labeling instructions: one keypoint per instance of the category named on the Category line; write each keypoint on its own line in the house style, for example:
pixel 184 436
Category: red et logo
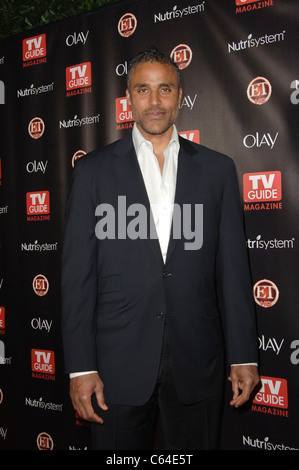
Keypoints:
pixel 40 285
pixel 44 441
pixel 259 90
pixel 127 25
pixel 265 293
pixel 36 128
pixel 182 55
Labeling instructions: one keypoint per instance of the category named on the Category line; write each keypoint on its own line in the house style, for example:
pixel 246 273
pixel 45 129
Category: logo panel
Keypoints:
pixel 274 392
pixel 265 293
pixel 78 76
pixel 262 186
pixel 34 48
pixel 38 203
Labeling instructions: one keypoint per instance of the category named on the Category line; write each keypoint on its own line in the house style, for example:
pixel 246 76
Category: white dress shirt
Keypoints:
pixel 160 187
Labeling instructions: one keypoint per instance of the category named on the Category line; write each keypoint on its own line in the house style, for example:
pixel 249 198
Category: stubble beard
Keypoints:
pixel 152 126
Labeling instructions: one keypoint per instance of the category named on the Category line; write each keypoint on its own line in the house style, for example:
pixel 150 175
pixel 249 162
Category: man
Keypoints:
pixel 148 293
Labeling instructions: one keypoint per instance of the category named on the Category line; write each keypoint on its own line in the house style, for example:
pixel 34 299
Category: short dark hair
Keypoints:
pixel 152 54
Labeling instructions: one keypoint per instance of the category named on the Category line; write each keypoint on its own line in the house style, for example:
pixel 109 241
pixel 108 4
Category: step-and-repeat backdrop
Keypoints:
pixel 62 94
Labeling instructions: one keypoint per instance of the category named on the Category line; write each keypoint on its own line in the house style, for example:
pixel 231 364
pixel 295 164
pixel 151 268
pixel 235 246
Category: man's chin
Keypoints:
pixel 156 129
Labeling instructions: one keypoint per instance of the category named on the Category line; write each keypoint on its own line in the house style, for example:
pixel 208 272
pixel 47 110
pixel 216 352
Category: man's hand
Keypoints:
pixel 244 379
pixel 81 390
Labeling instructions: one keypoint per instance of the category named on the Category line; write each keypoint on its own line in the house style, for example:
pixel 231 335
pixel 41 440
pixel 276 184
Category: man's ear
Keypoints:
pixel 180 94
pixel 128 96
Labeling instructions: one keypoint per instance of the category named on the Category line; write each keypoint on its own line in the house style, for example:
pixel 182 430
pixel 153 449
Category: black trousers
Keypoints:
pixel 184 427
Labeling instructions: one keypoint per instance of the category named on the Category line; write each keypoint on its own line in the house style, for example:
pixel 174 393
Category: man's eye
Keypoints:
pixel 165 90
pixel 143 91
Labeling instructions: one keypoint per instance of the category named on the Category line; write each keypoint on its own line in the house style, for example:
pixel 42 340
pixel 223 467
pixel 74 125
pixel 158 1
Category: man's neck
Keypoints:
pixel 158 141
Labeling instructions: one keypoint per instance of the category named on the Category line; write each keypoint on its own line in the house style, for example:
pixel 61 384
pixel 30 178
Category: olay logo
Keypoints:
pixel 262 186
pixel 38 203
pixel 274 392
pixel 34 48
pixel 123 110
pixel 78 76
pixel 42 361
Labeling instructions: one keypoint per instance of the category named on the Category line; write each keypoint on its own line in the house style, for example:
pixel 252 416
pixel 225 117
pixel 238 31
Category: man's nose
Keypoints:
pixel 155 97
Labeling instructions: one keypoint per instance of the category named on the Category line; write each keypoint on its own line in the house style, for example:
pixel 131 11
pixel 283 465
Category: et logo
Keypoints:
pixel 265 293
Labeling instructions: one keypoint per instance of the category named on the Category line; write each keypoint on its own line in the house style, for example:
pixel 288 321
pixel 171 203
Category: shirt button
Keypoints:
pixel 160 315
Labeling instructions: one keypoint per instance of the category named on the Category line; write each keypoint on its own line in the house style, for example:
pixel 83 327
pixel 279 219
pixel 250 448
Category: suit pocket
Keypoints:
pixel 110 288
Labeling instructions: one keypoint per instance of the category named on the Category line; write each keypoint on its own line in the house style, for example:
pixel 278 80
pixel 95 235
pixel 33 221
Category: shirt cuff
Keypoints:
pixel 246 364
pixel 77 374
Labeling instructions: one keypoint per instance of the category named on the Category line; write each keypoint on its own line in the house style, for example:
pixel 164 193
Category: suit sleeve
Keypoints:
pixel 234 279
pixel 79 274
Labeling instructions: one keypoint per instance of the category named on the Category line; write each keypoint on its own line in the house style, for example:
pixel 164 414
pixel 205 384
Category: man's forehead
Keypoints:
pixel 148 72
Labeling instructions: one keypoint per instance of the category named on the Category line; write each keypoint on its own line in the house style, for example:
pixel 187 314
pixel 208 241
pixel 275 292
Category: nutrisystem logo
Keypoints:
pixel 252 42
pixel 177 13
pixel 266 444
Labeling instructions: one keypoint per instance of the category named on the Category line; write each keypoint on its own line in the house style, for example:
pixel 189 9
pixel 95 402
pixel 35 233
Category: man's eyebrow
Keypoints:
pixel 143 85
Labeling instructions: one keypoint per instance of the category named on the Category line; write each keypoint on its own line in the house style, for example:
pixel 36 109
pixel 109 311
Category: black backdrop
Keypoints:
pixel 63 88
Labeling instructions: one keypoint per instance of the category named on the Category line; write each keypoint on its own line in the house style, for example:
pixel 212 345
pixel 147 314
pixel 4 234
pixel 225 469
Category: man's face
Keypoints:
pixel 154 97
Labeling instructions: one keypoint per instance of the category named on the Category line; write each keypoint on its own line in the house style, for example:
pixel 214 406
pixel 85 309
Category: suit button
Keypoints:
pixel 166 274
pixel 160 315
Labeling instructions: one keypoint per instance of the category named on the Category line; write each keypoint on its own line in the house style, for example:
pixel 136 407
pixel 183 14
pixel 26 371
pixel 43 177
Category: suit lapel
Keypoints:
pixel 184 184
pixel 128 170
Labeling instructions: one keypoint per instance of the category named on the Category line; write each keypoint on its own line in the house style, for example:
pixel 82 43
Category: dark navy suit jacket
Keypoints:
pixel 118 293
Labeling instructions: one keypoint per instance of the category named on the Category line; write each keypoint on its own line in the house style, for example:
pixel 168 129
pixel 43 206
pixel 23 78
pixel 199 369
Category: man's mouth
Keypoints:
pixel 155 114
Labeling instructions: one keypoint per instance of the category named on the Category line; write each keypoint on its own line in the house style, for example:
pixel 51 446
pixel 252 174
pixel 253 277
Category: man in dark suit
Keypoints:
pixel 155 274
